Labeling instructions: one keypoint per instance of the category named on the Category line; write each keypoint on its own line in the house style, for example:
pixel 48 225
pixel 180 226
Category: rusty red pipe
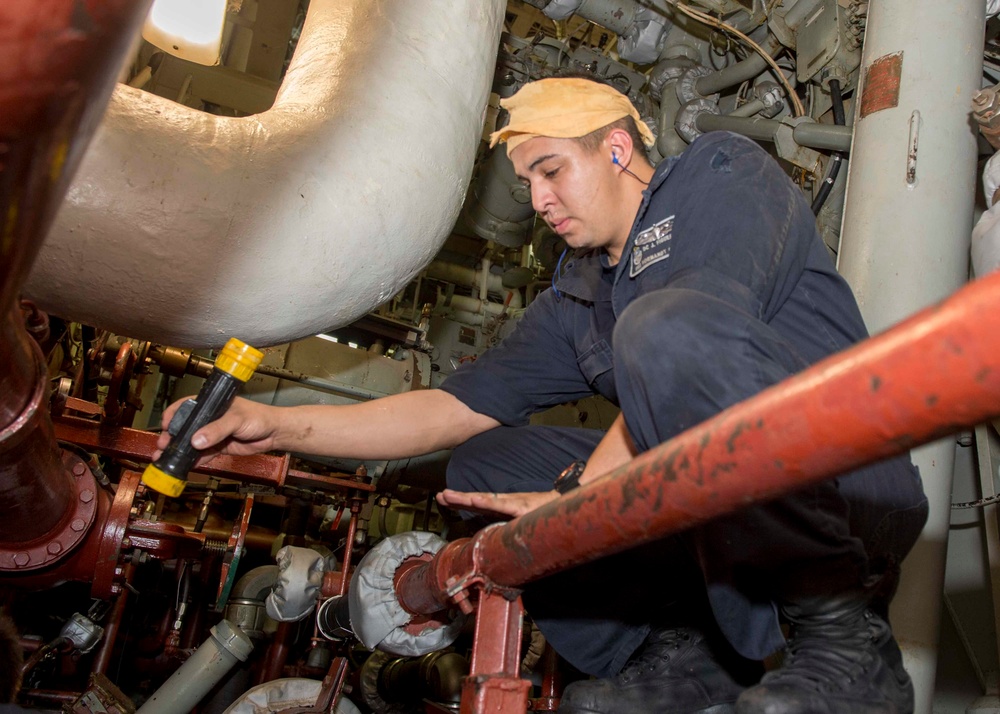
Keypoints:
pixel 932 375
pixel 60 59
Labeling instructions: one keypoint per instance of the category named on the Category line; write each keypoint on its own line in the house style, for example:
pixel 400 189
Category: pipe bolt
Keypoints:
pixel 79 469
pixel 78 524
pixel 54 548
pixel 86 495
pixel 22 559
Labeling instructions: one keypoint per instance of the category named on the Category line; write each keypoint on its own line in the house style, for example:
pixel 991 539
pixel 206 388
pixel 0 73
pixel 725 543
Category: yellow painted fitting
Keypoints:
pixel 239 359
pixel 162 482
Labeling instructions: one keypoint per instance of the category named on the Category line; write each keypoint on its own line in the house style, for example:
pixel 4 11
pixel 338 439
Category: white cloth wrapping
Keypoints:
pixel 986 233
pixel 300 580
pixel 377 618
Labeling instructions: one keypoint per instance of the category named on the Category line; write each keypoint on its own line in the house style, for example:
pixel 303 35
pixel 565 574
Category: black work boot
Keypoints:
pixel 841 659
pixel 674 671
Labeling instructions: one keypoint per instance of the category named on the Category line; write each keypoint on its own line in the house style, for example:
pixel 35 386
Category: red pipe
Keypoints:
pixel 932 375
pixel 34 488
pixel 60 59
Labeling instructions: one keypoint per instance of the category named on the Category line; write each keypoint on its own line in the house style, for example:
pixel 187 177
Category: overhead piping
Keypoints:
pixel 186 228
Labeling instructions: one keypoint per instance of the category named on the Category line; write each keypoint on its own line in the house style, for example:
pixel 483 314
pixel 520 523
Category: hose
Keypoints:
pixel 836 158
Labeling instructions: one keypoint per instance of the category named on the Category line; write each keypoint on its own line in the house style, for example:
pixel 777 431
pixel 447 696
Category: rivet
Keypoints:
pixel 54 548
pixel 79 469
pixel 115 588
pixel 22 559
pixel 86 495
pixel 78 524
pixel 126 542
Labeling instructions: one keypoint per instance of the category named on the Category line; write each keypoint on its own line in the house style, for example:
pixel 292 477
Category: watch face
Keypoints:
pixel 570 477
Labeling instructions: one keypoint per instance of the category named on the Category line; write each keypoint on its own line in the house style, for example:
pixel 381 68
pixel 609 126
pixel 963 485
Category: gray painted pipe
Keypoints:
pixel 226 646
pixel 754 106
pixel 614 15
pixel 816 136
pixel 739 72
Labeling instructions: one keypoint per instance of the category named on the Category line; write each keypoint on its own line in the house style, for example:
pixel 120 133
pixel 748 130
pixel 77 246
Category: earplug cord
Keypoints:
pixel 556 274
pixel 616 162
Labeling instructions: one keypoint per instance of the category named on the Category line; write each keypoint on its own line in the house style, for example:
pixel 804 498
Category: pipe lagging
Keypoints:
pixel 226 645
pixel 870 402
pixel 813 135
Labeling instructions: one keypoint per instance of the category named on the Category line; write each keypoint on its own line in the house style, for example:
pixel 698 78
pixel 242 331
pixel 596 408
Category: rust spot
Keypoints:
pixel 876 382
pixel 779 464
pixel 882 79
pixel 731 441
pixel 931 400
pixel 982 374
pixel 669 473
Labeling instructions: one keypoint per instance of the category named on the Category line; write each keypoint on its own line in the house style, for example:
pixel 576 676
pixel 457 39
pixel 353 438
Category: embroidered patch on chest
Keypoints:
pixel 651 246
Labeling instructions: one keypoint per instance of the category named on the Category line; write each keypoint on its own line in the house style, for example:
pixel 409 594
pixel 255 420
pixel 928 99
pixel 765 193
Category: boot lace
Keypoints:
pixel 827 657
pixel 654 653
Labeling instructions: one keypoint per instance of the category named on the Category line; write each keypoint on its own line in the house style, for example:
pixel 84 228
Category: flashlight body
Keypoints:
pixel 234 366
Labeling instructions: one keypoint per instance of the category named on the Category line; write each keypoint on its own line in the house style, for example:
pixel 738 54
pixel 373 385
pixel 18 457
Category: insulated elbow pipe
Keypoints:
pixel 186 228
pixel 870 402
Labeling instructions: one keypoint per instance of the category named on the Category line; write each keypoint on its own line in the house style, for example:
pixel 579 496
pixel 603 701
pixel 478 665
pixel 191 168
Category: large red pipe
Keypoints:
pixel 930 376
pixel 58 63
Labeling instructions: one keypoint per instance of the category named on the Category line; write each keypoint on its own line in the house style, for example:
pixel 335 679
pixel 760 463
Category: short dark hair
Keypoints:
pixel 592 141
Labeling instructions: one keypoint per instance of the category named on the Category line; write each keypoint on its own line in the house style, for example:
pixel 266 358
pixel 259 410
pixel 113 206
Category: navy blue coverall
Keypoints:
pixel 724 288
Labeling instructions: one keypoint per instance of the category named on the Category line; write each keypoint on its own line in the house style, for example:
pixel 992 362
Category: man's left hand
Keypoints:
pixel 505 504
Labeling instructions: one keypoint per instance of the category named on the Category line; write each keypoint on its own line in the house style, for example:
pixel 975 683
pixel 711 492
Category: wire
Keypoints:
pixel 989 500
pixel 798 109
pixel 836 158
pixel 625 169
pixel 558 270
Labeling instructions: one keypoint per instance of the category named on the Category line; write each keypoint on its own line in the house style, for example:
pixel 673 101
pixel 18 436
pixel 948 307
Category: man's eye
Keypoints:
pixel 551 173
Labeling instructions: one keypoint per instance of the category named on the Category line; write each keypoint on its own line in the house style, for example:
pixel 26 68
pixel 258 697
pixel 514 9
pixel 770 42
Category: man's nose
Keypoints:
pixel 541 198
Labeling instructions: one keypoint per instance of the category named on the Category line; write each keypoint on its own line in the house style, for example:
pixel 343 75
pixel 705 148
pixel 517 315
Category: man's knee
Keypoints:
pixel 675 329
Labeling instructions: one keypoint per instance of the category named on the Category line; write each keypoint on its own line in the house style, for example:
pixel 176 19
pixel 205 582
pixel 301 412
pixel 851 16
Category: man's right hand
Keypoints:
pixel 246 428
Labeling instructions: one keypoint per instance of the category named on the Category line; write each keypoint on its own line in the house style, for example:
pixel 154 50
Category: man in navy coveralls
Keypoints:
pixel 686 289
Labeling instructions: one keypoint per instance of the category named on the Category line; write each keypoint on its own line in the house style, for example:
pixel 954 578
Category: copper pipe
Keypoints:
pixel 930 376
pixel 51 695
pixel 34 488
pixel 277 653
pixel 103 657
pixel 65 56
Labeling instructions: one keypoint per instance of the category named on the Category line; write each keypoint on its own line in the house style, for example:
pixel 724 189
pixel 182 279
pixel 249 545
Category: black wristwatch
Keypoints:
pixel 570 477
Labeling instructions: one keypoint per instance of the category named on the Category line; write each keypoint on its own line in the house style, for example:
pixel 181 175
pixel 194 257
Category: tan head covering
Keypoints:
pixel 564 108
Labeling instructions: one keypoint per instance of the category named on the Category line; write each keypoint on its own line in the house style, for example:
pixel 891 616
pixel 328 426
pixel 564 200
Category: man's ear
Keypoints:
pixel 619 144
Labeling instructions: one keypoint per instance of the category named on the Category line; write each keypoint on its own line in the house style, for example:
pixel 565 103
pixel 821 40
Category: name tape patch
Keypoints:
pixel 652 245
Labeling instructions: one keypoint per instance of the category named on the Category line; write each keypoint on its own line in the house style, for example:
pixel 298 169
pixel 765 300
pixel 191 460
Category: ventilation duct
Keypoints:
pixel 188 228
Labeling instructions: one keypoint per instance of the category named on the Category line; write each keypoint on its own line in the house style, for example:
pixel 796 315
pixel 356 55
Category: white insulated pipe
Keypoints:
pixel 905 238
pixel 189 228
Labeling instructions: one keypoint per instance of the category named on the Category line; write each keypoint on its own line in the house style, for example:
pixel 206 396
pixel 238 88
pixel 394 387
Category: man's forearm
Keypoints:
pixel 398 426
pixel 614 450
